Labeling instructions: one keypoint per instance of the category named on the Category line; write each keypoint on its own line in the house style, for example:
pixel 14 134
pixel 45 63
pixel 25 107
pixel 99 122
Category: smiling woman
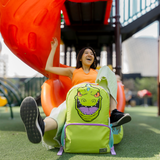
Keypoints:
pixel 50 128
pixel 89 55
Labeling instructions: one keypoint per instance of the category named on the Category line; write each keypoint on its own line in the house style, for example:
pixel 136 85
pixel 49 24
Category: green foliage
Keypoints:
pixel 147 83
pixel 130 84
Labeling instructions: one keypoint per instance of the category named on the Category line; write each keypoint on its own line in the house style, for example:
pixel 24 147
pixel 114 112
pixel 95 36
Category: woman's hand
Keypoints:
pixel 50 62
pixel 54 43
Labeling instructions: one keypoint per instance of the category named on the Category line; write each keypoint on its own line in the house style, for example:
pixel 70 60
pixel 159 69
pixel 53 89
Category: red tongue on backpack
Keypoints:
pixel 88 111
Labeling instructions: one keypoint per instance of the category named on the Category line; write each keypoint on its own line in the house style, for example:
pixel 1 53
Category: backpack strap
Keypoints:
pixel 113 151
pixel 111 142
pixel 60 152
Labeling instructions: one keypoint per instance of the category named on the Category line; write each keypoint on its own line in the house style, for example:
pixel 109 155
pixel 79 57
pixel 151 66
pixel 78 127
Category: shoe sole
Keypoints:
pixel 29 116
pixel 125 119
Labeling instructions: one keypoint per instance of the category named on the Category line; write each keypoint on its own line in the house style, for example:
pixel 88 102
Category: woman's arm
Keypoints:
pixel 57 70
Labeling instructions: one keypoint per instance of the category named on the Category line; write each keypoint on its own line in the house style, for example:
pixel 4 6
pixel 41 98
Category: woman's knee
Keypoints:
pixel 50 124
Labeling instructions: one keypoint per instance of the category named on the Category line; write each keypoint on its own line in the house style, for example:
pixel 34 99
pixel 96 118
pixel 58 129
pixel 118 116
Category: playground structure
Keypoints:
pixel 26 35
pixel 27 41
pixel 3 101
pixel 29 44
pixel 10 94
pixel 14 90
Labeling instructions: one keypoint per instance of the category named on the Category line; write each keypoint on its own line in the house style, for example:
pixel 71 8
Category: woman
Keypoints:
pixel 84 72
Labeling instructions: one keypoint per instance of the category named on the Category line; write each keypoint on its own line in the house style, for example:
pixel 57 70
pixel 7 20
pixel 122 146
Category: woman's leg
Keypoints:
pixel 117 118
pixel 50 124
pixel 113 104
pixel 34 124
pixel 32 120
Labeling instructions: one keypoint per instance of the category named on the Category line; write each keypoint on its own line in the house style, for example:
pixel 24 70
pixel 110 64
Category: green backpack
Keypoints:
pixel 87 128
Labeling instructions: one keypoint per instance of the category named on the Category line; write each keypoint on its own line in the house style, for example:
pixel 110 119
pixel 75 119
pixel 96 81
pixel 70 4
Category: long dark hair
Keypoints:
pixel 79 63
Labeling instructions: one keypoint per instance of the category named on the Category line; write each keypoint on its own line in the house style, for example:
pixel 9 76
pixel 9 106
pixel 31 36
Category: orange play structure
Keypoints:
pixel 27 28
pixel 121 101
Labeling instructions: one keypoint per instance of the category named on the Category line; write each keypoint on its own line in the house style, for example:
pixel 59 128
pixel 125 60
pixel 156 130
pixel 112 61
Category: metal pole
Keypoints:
pixel 118 39
pixel 158 98
pixel 70 54
pixel 65 54
pixel 109 54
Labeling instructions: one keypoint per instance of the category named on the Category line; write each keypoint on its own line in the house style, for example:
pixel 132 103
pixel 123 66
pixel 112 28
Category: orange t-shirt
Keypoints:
pixel 79 76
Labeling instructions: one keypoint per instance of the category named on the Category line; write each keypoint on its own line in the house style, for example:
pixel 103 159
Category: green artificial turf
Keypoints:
pixel 141 139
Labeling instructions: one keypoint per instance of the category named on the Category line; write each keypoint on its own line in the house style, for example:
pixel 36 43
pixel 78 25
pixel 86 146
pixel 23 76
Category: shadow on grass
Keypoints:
pixel 15 124
pixel 8 124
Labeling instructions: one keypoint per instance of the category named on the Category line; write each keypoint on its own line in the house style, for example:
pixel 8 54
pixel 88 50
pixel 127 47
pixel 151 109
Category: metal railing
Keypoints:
pixel 32 86
pixel 130 10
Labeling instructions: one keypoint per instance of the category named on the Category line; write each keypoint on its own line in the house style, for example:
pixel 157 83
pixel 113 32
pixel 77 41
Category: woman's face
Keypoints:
pixel 87 57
